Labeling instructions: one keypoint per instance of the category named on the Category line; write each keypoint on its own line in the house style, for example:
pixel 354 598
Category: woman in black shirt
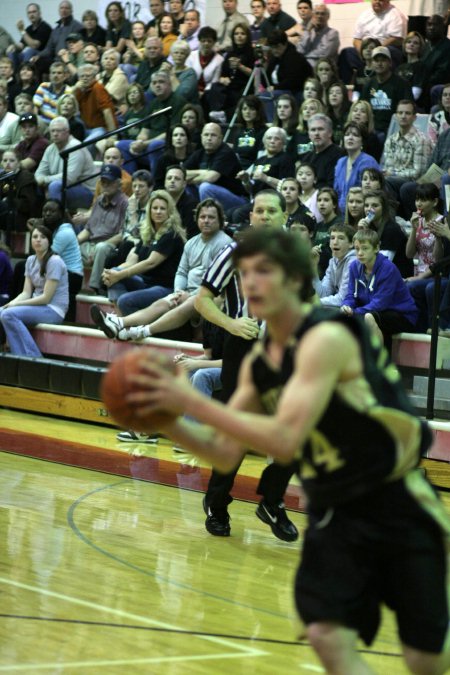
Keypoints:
pixel 246 136
pixel 119 28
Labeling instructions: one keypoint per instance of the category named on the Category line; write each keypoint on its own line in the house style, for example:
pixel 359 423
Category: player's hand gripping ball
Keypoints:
pixel 116 385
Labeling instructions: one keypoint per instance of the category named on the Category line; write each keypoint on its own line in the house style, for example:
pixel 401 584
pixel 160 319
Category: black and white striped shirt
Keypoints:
pixel 222 277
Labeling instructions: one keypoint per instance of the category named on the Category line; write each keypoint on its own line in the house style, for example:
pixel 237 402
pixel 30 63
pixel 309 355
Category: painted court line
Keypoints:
pixel 242 650
pixel 121 662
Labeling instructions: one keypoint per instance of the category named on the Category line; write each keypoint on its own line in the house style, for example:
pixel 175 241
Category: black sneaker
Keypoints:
pixel 275 517
pixel 217 522
pixel 110 324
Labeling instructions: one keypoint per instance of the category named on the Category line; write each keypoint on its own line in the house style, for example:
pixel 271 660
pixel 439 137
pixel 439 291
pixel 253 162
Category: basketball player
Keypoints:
pixel 318 388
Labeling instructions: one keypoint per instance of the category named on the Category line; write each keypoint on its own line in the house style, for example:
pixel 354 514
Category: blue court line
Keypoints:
pixel 136 568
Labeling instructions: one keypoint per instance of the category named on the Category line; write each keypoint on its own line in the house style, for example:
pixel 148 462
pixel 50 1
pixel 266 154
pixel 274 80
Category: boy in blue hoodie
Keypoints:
pixel 376 290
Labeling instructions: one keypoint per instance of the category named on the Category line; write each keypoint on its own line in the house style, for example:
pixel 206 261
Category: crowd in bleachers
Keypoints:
pixel 357 138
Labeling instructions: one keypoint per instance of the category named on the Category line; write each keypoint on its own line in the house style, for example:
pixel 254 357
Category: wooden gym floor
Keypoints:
pixel 109 569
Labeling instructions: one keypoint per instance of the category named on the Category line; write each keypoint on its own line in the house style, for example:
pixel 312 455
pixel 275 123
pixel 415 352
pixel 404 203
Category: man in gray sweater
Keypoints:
pixel 80 167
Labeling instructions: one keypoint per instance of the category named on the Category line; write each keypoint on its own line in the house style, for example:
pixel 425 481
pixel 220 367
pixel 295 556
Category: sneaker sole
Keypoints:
pixel 279 534
pixel 152 441
pixel 98 319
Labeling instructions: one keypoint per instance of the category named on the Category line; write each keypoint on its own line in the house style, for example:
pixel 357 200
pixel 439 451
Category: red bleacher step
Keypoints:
pixel 413 350
pixel 441 446
pixel 91 344
pixel 84 304
pixel 20 243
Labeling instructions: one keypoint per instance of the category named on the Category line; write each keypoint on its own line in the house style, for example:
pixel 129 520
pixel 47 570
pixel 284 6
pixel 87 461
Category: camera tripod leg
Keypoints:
pixel 255 80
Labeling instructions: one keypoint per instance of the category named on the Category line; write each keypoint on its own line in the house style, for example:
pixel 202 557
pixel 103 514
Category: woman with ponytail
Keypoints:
pixel 44 299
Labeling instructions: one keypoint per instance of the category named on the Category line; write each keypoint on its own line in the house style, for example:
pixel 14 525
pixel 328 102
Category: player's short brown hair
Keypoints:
pixel 285 249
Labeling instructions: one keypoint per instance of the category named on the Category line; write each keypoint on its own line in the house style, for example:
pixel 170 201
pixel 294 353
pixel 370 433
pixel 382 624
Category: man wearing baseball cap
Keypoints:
pixel 33 145
pixel 103 231
pixel 72 55
pixel 382 21
pixel 384 90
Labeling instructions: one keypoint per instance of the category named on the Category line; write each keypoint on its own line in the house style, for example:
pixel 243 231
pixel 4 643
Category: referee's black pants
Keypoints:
pixel 275 477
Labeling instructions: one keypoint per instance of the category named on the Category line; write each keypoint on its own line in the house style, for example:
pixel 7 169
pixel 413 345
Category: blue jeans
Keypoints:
pixel 129 161
pixel 129 70
pixel 149 157
pixel 94 132
pixel 224 196
pixel 18 58
pixel 15 321
pixel 78 196
pixel 268 99
pixel 134 283
pixel 128 303
pixel 422 291
pixel 206 381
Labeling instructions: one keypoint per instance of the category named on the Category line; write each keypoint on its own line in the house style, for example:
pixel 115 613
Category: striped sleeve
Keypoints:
pixel 221 278
pixel 219 273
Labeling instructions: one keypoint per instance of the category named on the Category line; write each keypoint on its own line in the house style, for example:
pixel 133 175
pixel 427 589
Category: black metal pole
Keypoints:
pixel 10 206
pixel 107 134
pixel 65 159
pixel 437 269
pixel 64 154
pixel 433 346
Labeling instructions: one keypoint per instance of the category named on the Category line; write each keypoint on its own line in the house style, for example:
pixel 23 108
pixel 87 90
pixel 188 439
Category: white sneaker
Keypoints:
pixel 137 437
pixel 110 324
pixel 132 333
pixel 218 116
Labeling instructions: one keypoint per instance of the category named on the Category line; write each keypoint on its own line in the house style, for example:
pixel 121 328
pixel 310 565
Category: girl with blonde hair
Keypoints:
pixel 354 206
pixel 148 273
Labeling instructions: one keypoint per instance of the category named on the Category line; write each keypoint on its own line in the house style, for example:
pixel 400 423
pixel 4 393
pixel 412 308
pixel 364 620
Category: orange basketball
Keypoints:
pixel 116 385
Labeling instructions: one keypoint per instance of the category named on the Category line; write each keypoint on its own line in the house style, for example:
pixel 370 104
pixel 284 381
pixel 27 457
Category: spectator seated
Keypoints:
pixel 102 232
pixel 287 69
pixel 80 168
pixel 213 168
pixel 175 309
pixel 384 90
pixel 406 152
pixel 149 144
pixel 382 21
pixel 318 39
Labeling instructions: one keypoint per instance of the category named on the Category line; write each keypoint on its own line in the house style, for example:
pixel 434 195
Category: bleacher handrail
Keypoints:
pixel 7 176
pixel 64 154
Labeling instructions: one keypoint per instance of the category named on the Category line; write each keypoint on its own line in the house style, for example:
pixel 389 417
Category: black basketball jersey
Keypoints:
pixel 367 435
